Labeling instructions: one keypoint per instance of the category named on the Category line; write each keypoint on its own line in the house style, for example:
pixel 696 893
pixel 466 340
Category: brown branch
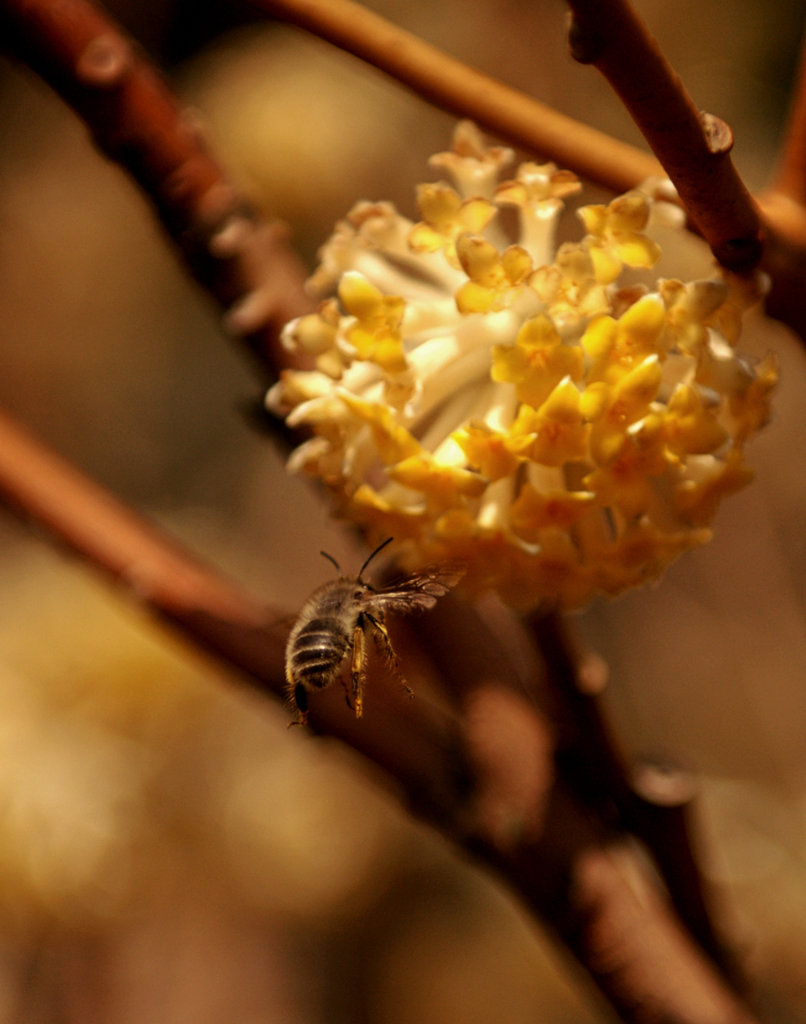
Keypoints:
pixel 485 776
pixel 790 180
pixel 693 146
pixel 160 574
pixel 454 86
pixel 784 207
pixel 243 261
pixel 661 814
pixel 652 801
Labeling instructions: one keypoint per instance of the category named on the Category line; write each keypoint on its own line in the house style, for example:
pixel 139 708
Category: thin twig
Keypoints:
pixel 783 204
pixel 692 146
pixel 790 179
pixel 460 89
pixel 242 260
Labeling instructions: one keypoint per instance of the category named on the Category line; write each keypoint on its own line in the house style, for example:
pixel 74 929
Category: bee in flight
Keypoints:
pixel 334 623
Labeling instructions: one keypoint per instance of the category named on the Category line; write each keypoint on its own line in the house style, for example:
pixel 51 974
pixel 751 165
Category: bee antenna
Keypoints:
pixel 330 558
pixel 380 547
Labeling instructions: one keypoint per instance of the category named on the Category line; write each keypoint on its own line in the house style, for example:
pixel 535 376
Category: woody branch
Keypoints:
pixel 784 205
pixel 693 147
pixel 244 261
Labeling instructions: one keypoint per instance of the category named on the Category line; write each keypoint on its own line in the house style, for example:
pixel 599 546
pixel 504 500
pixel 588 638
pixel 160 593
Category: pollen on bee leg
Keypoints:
pixel 383 641
pixel 358 669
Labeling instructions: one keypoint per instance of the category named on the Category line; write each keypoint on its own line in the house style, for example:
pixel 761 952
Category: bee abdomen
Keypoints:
pixel 318 650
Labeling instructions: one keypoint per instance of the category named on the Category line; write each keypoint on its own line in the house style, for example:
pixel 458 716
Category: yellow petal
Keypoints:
pixel 480 260
pixel 516 263
pixel 563 404
pixel 594 217
pixel 392 440
pixel 421 472
pixel 628 212
pixel 633 392
pixel 751 408
pixel 538 332
pixel 698 499
pixel 622 486
pixel 562 436
pixel 487 450
pixel 595 400
pixel 359 297
pixel 599 337
pixel 533 510
pixel 537 361
pixel 475 214
pixel 374 510
pixel 690 426
pixel 424 238
pixel 638 251
pixel 606 264
pixel 475 298
pixel 640 326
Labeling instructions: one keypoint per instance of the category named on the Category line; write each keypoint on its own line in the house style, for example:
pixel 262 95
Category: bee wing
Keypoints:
pixel 421 590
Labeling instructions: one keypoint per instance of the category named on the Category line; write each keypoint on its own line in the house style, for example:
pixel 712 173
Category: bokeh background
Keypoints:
pixel 169 851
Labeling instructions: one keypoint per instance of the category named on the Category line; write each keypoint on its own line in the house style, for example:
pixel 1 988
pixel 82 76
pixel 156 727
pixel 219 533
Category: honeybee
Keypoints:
pixel 334 623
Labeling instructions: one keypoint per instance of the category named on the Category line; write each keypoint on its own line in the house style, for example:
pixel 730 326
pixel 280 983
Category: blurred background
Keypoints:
pixel 168 850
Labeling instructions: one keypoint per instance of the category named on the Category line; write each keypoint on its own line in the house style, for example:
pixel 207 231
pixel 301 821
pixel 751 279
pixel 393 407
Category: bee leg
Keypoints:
pixel 358 668
pixel 299 696
pixel 381 636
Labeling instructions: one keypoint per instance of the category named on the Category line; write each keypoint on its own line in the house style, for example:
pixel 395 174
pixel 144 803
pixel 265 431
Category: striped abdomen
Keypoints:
pixel 316 650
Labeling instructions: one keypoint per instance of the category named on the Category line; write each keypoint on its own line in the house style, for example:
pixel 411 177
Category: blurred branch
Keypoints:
pixel 660 813
pixel 245 262
pixel 784 207
pixel 460 89
pixel 484 776
pixel 157 572
pixel 651 801
pixel 790 180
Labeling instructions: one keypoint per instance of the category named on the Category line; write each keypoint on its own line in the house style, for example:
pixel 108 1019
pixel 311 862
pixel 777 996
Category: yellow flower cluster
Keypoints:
pixel 478 392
